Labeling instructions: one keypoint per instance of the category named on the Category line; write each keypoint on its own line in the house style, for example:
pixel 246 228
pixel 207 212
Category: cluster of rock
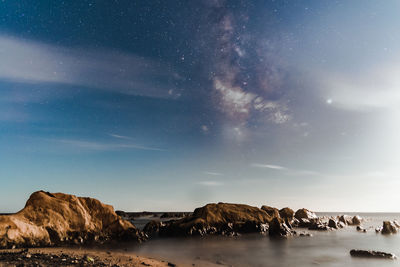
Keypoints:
pixel 233 219
pixel 50 219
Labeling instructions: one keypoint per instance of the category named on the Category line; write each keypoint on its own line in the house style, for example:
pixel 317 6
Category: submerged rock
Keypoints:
pixel 389 228
pixel 372 254
pixel 361 229
pixel 54 219
pixel 221 218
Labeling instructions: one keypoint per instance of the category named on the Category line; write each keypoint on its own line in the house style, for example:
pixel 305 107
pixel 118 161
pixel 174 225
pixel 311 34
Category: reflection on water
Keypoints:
pixel 329 248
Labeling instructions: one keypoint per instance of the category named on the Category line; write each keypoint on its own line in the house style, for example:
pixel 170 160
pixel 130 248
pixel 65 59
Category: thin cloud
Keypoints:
pixel 120 136
pixel 210 183
pixel 268 166
pixel 213 173
pixel 28 61
pixel 104 146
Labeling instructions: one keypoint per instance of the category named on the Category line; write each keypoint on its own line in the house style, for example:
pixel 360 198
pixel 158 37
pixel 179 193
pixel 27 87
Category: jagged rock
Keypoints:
pixel 341 224
pixel 286 213
pixel 273 212
pixel 356 220
pixel 371 254
pixel 221 218
pixel 277 227
pixel 152 227
pixel 318 226
pixel 54 219
pixel 305 214
pixel 295 222
pixel 333 224
pixel 389 228
pixel 347 220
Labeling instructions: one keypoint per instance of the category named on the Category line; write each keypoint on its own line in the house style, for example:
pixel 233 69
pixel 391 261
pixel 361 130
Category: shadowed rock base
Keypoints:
pixel 372 254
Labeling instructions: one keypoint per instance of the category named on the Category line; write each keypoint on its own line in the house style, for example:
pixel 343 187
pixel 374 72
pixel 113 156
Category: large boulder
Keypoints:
pixel 286 213
pixel 389 228
pixel 273 212
pixel 221 218
pixel 356 220
pixel 277 227
pixel 305 214
pixel 53 219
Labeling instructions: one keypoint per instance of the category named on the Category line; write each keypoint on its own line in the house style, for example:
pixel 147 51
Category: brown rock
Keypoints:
pixel 221 218
pixel 51 219
pixel 277 227
pixel 305 214
pixel 286 213
pixel 389 228
pixel 273 212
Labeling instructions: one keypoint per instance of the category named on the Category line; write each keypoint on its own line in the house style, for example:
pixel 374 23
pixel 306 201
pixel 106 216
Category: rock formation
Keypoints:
pixel 273 212
pixel 371 254
pixel 305 214
pixel 286 213
pixel 389 228
pixel 53 219
pixel 221 218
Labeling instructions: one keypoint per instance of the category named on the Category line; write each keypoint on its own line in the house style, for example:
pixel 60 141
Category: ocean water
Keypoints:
pixel 329 248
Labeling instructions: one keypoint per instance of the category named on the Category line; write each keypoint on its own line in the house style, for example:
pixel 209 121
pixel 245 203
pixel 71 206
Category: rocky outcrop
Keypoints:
pixel 371 254
pixel 348 220
pixel 356 220
pixel 273 212
pixel 221 218
pixel 53 219
pixel 389 228
pixel 333 224
pixel 286 213
pixel 278 228
pixel 305 214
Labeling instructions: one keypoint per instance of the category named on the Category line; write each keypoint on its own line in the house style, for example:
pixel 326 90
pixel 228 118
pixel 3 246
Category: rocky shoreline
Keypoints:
pixel 56 219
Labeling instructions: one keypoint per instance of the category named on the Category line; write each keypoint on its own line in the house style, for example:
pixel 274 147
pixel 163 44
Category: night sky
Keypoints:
pixel 169 105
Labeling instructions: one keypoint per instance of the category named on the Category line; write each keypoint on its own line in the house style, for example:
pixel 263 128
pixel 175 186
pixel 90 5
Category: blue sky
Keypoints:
pixel 169 105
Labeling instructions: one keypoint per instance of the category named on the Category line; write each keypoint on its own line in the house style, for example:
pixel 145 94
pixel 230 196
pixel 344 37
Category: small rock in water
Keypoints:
pixel 361 229
pixel 372 254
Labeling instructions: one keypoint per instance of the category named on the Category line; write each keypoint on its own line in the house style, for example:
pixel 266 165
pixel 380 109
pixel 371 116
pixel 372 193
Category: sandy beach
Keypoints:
pixel 75 256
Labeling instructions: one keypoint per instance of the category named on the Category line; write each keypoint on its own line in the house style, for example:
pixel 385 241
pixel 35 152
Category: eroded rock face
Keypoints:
pixel 273 212
pixel 286 213
pixel 53 219
pixel 277 227
pixel 221 218
pixel 389 228
pixel 305 214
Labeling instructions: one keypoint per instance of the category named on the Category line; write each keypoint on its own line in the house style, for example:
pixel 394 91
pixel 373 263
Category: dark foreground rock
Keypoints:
pixel 221 218
pixel 372 254
pixel 25 259
pixel 278 228
pixel 50 219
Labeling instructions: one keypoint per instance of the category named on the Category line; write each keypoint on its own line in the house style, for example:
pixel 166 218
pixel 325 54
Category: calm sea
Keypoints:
pixel 329 248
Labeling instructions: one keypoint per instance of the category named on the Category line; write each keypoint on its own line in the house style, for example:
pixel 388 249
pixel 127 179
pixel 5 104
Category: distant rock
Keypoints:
pixel 389 228
pixel 221 218
pixel 361 229
pixel 121 213
pixel 305 214
pixel 286 213
pixel 333 224
pixel 273 212
pixel 356 220
pixel 372 254
pixel 174 214
pixel 152 227
pixel 55 218
pixel 346 219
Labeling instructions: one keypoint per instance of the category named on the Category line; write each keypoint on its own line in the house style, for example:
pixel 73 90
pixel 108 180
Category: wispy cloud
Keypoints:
pixel 28 61
pixel 120 136
pixel 89 145
pixel 210 183
pixel 213 173
pixel 268 166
